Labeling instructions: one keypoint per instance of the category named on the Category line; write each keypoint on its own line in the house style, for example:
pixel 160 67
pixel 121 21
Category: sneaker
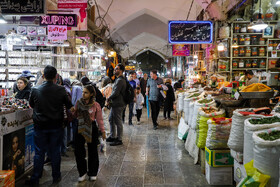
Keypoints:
pixel 110 139
pixel 82 178
pixel 92 178
pixel 130 124
pixel 56 181
pixel 116 143
pixel 138 123
pixel 155 127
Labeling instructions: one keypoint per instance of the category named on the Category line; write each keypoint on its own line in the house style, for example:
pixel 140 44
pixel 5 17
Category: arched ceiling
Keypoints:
pixel 144 23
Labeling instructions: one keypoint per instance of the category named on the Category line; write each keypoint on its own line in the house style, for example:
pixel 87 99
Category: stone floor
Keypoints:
pixel 148 158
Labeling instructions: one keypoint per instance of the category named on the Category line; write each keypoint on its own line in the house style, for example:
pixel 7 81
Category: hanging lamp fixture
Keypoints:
pixel 259 25
pixel 221 46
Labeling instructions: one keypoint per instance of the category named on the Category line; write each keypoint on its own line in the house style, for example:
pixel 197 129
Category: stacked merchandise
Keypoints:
pixel 190 98
pixel 218 159
pixel 10 104
pixel 7 178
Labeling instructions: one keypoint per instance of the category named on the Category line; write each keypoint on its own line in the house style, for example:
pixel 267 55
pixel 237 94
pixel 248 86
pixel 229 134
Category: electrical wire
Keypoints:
pixel 190 10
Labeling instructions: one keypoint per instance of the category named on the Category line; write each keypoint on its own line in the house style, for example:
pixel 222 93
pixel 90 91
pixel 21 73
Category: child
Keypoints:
pixel 88 113
pixel 139 104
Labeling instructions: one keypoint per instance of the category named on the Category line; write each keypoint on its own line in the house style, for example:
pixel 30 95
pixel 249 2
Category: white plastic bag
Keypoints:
pixel 182 128
pixel 103 148
pixel 191 108
pixel 248 137
pixel 187 107
pixel 197 105
pixel 236 138
pixel 266 155
pixel 181 102
pixel 190 145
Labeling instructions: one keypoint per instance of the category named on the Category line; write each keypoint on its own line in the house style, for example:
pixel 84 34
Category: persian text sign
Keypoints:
pixel 190 32
pixel 180 50
pixel 57 32
pixel 61 4
pixel 14 7
pixel 69 20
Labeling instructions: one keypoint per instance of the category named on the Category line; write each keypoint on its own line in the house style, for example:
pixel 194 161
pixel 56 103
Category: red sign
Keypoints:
pixel 180 50
pixel 57 32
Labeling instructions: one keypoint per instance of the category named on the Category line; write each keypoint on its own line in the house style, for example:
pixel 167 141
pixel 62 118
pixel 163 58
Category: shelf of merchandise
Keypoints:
pixel 268 53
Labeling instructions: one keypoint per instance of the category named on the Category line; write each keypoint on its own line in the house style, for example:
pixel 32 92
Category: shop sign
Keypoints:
pixel 190 32
pixel 31 30
pixel 69 20
pixel 29 146
pixel 180 50
pixel 78 7
pixel 57 32
pixel 22 7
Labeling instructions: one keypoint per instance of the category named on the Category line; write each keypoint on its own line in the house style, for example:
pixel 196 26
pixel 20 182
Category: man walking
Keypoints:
pixel 118 104
pixel 47 101
pixel 153 91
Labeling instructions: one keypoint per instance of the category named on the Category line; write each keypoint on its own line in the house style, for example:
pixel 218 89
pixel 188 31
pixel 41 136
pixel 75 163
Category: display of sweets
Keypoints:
pixel 11 102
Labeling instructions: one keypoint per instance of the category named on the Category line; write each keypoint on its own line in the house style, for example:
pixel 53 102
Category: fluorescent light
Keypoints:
pixel 277 2
pixel 259 25
pixel 221 47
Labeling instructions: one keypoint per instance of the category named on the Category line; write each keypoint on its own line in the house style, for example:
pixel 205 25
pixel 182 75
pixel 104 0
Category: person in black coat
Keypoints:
pixel 24 88
pixel 169 100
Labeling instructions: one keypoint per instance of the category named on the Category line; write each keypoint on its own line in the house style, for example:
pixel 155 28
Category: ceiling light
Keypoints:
pixel 259 25
pixel 195 56
pixel 235 45
pixel 101 51
pixel 221 47
pixel 277 2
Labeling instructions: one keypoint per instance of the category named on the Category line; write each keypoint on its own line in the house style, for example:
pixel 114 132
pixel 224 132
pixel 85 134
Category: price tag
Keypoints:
pixel 236 95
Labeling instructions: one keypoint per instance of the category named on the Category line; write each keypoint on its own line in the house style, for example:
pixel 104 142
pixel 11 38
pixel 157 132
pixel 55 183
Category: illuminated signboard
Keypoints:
pixel 22 7
pixel 190 32
pixel 69 20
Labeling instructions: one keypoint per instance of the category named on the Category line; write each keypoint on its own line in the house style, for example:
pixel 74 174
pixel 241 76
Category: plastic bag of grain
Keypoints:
pixel 182 129
pixel 218 133
pixel 236 137
pixel 187 101
pixel 198 104
pixel 180 102
pixel 267 152
pixel 205 113
pixel 252 125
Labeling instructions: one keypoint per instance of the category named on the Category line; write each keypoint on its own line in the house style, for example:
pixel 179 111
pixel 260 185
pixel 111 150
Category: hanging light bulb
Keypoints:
pixel 195 56
pixel 277 3
pixel 234 45
pixel 221 47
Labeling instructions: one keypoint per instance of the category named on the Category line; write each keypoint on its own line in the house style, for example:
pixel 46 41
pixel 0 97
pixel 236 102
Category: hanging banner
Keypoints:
pixel 57 32
pixel 21 7
pixel 78 7
pixel 190 32
pixel 180 50
pixel 69 20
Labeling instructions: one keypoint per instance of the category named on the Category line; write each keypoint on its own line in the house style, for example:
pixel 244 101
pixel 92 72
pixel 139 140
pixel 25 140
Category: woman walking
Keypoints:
pixel 88 113
pixel 169 100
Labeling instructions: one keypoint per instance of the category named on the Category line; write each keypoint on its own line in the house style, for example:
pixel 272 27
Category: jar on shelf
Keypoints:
pixel 235 63
pixel 241 63
pixel 243 28
pixel 270 45
pixel 242 51
pixel 254 51
pixel 262 41
pixel 235 39
pixel 275 44
pixel 248 63
pixel 261 51
pixel 235 52
pixel 247 40
pixel 255 63
pixel 262 63
pixel 237 28
pixel 248 52
pixel 254 40
pixel 241 40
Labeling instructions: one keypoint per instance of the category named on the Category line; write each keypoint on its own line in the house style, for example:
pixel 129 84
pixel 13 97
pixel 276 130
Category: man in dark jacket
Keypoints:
pixel 99 97
pixel 47 101
pixel 143 85
pixel 118 104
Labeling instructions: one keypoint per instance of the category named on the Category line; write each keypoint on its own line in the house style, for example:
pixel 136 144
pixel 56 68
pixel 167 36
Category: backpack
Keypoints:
pixel 129 94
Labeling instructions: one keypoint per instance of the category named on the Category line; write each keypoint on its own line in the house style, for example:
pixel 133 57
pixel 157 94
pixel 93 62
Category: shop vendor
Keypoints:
pixel 214 81
pixel 251 78
pixel 24 88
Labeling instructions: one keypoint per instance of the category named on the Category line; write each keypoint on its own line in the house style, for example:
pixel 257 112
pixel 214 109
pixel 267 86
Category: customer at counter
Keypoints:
pixel 27 74
pixel 251 78
pixel 23 88
pixel 179 85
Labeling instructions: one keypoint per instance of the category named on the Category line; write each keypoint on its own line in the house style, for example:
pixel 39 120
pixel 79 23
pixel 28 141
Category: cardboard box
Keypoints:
pixel 218 176
pixel 237 156
pixel 218 158
pixel 239 171
pixel 7 178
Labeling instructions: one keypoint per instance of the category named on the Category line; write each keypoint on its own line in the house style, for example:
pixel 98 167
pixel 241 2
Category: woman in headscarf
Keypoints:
pixel 24 88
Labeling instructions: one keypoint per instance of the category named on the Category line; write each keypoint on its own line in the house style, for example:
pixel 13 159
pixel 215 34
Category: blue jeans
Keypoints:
pixel 131 111
pixel 64 141
pixel 47 140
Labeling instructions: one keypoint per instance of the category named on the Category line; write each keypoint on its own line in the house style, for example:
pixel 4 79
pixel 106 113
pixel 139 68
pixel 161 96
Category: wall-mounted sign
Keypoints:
pixel 190 32
pixel 69 20
pixel 22 30
pixel 41 30
pixel 31 30
pixel 22 6
pixel 57 32
pixel 180 50
pixel 78 7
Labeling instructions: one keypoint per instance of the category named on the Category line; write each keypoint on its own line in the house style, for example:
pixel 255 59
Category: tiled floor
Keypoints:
pixel 147 158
